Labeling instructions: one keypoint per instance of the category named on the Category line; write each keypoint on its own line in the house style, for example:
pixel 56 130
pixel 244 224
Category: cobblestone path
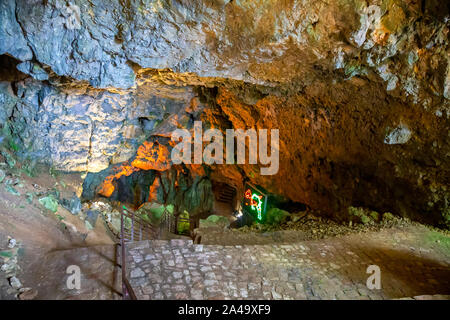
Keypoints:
pixel 333 268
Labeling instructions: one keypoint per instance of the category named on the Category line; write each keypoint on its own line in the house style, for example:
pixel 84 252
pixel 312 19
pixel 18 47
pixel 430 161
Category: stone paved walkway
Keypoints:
pixel 333 268
pixel 414 262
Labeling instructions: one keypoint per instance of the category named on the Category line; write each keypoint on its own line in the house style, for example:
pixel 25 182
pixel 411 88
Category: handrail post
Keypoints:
pixel 127 289
pixel 122 247
pixel 132 226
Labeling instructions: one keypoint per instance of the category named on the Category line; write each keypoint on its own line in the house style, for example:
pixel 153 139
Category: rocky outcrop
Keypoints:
pixel 358 89
pixel 74 131
pixel 79 128
pixel 265 42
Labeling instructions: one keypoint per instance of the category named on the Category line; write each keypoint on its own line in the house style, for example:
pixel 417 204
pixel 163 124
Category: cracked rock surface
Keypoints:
pixel 358 89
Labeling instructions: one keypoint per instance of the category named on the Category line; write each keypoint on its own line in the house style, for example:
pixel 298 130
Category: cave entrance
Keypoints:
pixel 224 203
pixel 133 190
pixel 224 199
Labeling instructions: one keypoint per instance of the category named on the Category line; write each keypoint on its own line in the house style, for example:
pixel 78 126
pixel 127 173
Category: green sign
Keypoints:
pixel 255 202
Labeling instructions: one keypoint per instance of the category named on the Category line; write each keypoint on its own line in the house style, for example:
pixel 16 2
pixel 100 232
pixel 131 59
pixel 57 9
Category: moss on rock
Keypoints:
pixel 276 216
pixel 49 203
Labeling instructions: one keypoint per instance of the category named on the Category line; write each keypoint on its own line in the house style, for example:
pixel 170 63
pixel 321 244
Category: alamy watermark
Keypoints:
pixel 235 140
pixel 74 279
pixel 374 281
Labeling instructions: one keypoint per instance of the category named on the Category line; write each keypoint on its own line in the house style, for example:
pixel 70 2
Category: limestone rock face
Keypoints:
pixel 358 89
pixel 80 128
pixel 73 131
pixel 265 42
pixel 12 38
pixel 7 100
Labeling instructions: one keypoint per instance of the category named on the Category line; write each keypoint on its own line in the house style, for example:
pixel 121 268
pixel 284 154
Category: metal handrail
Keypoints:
pixel 144 228
pixel 127 290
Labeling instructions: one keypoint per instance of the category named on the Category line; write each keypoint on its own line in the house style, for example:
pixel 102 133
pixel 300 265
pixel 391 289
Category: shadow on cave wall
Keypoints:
pixel 8 69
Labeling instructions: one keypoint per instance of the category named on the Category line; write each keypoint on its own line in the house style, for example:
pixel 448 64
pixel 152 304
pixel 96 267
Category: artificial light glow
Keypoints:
pixel 254 201
pixel 150 156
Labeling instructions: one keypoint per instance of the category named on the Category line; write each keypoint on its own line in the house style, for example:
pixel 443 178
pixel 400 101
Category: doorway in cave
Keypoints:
pixel 223 204
pixel 224 199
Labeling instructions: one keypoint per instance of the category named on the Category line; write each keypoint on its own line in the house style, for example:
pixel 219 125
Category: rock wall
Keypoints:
pixel 337 150
pixel 80 128
pixel 267 42
pixel 358 89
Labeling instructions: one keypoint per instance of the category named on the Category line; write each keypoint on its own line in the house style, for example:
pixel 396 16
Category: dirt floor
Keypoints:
pixel 36 230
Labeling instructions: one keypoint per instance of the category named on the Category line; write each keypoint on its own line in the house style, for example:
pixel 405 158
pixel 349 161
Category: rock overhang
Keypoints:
pixel 343 75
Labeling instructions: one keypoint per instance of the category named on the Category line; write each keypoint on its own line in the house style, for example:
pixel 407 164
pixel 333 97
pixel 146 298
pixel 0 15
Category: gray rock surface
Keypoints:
pixel 7 101
pixel 398 135
pixel 73 204
pixel 80 128
pixel 269 42
pixel 12 40
pixel 91 217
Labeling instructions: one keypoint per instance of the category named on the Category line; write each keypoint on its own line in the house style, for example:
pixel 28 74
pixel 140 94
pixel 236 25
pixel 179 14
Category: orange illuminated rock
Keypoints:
pixel 153 195
pixel 107 188
pixel 152 156
pixel 196 169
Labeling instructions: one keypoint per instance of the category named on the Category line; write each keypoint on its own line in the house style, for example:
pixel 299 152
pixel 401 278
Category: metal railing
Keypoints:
pixel 169 222
pixel 136 230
